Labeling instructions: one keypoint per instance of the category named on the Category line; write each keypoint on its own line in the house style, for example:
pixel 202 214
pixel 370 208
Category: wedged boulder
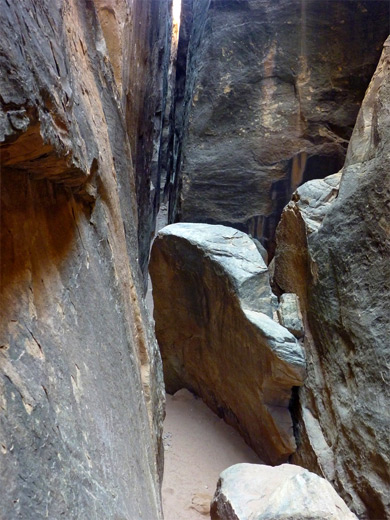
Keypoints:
pixel 334 252
pixel 287 492
pixel 213 313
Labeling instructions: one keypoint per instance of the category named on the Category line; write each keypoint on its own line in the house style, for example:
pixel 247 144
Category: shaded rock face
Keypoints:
pixel 213 309
pixel 272 93
pixel 81 393
pixel 248 491
pixel 194 15
pixel 333 250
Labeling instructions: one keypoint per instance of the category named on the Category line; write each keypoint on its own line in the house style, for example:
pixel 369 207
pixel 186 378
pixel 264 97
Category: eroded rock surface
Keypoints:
pixel 213 311
pixel 271 95
pixel 333 251
pixel 81 394
pixel 287 492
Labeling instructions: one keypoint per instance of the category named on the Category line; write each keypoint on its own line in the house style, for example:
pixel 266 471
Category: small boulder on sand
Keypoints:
pixel 286 492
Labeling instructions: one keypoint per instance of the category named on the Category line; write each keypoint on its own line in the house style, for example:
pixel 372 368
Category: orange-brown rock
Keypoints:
pixel 137 36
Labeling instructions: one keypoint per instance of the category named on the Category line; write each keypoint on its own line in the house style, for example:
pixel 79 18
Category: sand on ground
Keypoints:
pixel 198 445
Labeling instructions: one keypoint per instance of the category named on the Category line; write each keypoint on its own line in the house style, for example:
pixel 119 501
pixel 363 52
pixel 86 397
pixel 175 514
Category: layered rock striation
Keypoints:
pixel 213 308
pixel 333 251
pixel 81 392
pixel 269 100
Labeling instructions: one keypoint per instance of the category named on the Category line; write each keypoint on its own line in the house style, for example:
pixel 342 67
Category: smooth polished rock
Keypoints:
pixel 267 100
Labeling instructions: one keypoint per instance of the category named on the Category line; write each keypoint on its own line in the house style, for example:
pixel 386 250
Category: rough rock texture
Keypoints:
pixel 287 492
pixel 81 400
pixel 334 252
pixel 271 95
pixel 213 312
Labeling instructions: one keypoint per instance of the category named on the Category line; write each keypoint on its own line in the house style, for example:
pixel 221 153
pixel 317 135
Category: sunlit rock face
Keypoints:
pixel 333 250
pixel 213 309
pixel 271 101
pixel 137 35
pixel 81 396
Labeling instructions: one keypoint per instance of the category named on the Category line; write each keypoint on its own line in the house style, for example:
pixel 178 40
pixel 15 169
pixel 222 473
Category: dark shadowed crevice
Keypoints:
pixel 300 169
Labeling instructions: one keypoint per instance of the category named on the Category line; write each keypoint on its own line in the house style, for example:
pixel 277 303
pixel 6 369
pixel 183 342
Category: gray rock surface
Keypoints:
pixel 213 313
pixel 262 250
pixel 238 257
pixel 272 91
pixel 333 251
pixel 81 394
pixel 286 492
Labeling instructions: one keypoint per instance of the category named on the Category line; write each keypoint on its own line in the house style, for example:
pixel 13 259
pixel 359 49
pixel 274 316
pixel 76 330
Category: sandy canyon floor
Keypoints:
pixel 198 446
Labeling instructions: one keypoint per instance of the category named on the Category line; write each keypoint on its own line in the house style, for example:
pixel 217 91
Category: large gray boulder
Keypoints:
pixel 213 310
pixel 286 492
pixel 334 252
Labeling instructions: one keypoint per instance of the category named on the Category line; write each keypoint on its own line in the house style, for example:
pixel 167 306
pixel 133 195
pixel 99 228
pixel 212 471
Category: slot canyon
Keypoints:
pixel 195 259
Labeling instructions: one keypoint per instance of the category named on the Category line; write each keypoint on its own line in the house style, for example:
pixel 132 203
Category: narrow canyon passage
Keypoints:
pixel 237 152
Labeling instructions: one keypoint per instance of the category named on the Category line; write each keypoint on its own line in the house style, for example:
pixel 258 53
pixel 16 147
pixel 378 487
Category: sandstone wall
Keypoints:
pixel 272 94
pixel 81 388
pixel 138 38
pixel 333 250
